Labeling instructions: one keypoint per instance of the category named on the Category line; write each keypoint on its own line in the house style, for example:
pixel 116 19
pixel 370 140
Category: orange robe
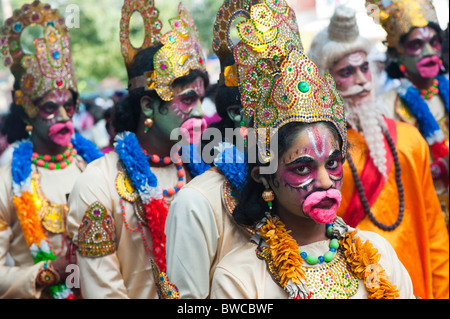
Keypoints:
pixel 421 240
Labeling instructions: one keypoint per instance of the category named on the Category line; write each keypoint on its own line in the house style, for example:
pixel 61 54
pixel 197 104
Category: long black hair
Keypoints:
pixel 127 112
pixel 392 67
pixel 251 207
pixel 14 124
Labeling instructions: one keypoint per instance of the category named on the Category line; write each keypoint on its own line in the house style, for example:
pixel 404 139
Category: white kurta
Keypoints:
pixel 19 281
pixel 242 275
pixel 200 231
pixel 126 273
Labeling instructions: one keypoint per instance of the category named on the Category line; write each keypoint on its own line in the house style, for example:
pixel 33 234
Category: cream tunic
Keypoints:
pixel 200 231
pixel 126 273
pixel 19 281
pixel 242 275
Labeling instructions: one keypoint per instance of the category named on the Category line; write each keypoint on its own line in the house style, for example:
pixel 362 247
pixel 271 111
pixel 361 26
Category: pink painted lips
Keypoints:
pixel 61 133
pixel 192 130
pixel 321 206
pixel 428 67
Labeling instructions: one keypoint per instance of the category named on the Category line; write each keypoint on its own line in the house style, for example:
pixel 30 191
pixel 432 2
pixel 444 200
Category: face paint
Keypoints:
pixel 422 51
pixel 313 164
pixel 53 103
pixel 352 75
pixel 53 122
pixel 184 112
pixel 188 98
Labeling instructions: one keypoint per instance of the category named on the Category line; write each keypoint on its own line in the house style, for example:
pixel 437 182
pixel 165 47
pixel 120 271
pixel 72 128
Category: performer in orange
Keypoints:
pixel 48 157
pixel 387 186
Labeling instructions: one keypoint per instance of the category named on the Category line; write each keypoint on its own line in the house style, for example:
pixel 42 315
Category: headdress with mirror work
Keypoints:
pixel 51 67
pixel 277 81
pixel 181 51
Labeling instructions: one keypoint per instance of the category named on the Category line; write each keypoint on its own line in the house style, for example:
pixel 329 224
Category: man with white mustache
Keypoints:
pixel 386 187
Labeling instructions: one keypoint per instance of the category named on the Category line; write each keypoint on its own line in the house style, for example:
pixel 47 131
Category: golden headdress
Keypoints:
pixel 397 17
pixel 278 83
pixel 51 68
pixel 181 51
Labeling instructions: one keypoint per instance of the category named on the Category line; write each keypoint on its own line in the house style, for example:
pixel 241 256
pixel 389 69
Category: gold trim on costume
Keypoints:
pixel 96 234
pixel 52 216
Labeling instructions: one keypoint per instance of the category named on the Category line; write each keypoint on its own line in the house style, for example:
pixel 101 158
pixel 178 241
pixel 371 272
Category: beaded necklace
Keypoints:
pixel 433 90
pixel 328 256
pixel 180 170
pixel 59 161
pixel 362 195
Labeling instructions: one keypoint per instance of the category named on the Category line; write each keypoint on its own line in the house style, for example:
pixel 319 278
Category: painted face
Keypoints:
pixel 422 49
pixel 310 175
pixel 353 77
pixel 184 112
pixel 54 119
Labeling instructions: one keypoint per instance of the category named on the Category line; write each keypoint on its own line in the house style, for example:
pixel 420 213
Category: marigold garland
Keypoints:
pixel 363 261
pixel 29 220
pixel 362 258
pixel 284 251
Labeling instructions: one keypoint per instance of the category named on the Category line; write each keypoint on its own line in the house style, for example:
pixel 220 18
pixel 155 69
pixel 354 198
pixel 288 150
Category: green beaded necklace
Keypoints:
pixel 328 256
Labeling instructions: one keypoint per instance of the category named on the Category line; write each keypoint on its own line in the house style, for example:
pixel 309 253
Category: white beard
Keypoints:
pixel 366 118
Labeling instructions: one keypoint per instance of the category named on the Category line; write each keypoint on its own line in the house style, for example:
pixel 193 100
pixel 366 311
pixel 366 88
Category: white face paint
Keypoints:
pixel 316 140
pixel 356 59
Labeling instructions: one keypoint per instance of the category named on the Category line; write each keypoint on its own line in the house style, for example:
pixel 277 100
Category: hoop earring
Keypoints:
pixel 268 196
pixel 148 124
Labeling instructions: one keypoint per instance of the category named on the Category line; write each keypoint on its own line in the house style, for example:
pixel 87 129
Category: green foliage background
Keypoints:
pixel 95 44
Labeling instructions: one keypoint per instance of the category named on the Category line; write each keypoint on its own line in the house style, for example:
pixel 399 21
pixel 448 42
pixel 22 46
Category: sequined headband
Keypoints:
pixel 51 68
pixel 397 17
pixel 277 81
pixel 181 51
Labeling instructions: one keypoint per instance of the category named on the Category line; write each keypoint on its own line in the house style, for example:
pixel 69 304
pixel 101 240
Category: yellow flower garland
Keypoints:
pixel 361 257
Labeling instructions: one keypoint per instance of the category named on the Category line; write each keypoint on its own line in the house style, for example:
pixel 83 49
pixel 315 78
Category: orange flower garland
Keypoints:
pixel 284 251
pixel 29 219
pixel 361 257
pixel 363 261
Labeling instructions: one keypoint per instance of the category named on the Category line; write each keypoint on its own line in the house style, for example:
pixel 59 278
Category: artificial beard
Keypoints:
pixel 365 117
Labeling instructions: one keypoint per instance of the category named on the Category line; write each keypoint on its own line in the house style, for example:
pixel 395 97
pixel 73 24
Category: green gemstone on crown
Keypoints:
pixel 303 87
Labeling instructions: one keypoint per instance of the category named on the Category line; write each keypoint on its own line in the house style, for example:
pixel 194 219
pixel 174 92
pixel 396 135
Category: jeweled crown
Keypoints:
pixel 278 83
pixel 51 67
pixel 181 51
pixel 397 17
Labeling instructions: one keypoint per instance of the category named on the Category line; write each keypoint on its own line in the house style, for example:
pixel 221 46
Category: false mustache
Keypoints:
pixel 357 89
pixel 322 215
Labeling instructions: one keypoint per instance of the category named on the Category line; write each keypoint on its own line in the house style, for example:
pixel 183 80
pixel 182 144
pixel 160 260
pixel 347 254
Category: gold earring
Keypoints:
pixel 268 195
pixel 29 129
pixel 148 124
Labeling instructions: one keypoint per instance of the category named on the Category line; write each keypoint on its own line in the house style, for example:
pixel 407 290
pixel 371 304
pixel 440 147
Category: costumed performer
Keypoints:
pixel 118 207
pixel 300 248
pixel 48 157
pixel 414 41
pixel 200 229
pixel 386 188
